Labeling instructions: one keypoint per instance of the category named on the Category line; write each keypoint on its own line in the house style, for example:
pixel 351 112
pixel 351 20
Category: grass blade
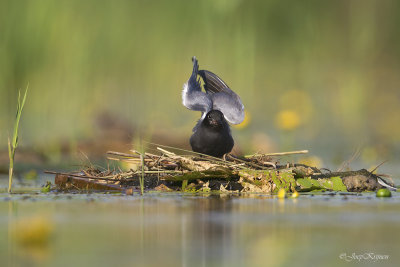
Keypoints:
pixel 13 146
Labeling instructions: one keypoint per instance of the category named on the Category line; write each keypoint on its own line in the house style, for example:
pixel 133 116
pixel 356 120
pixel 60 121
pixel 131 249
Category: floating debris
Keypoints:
pixel 258 173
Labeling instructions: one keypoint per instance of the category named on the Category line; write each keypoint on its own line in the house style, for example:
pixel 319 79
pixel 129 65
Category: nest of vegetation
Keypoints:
pixel 169 171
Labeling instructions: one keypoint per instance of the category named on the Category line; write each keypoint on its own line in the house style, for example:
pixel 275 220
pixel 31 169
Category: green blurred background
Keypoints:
pixel 317 75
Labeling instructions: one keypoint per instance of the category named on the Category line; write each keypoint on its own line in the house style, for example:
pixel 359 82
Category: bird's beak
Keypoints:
pixel 214 122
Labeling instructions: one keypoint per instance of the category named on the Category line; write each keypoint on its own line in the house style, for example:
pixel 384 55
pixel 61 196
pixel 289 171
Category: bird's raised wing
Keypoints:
pixel 223 98
pixel 213 83
pixel 192 96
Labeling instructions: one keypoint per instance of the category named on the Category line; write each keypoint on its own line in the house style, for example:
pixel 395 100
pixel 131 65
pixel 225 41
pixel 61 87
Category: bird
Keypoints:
pixel 219 106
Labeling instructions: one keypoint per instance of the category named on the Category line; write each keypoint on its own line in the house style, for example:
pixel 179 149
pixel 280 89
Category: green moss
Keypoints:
pixel 288 181
pixel 282 179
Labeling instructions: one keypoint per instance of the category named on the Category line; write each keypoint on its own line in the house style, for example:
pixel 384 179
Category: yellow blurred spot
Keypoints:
pixel 312 161
pixel 287 120
pixel 245 122
pixel 35 231
pixel 295 194
pixel 281 193
pixel 298 101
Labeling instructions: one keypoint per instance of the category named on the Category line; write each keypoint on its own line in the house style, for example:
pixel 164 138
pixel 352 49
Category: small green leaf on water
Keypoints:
pixel 47 187
pixel 383 192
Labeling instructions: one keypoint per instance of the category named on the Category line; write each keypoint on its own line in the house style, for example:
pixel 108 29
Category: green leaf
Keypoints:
pixel 309 184
pixel 338 184
pixel 46 188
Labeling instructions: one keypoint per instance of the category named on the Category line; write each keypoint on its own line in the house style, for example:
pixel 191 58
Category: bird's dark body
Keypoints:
pixel 218 104
pixel 212 139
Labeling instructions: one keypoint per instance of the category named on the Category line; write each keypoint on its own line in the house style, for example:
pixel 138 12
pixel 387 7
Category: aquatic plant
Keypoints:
pixel 12 145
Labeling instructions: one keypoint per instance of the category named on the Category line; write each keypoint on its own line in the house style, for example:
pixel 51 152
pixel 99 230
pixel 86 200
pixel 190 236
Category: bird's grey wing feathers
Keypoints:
pixel 230 105
pixel 192 96
pixel 223 98
pixel 213 83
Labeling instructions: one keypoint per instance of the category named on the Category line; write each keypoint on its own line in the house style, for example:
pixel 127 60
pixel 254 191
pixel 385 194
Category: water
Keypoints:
pixel 171 229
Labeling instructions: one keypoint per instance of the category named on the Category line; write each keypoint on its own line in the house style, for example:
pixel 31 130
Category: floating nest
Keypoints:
pixel 197 173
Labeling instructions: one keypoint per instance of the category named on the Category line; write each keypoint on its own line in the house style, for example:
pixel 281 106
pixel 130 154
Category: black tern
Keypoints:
pixel 219 105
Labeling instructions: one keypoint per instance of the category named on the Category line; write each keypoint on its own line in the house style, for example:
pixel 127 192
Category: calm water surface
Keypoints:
pixel 171 229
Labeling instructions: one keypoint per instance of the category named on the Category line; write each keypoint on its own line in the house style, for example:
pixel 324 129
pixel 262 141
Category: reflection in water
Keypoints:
pixel 187 230
pixel 210 224
pixel 29 238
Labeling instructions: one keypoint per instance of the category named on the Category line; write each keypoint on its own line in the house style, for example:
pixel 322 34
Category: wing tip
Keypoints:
pixel 385 184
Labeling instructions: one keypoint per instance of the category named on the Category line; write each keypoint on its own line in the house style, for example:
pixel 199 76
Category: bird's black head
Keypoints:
pixel 215 119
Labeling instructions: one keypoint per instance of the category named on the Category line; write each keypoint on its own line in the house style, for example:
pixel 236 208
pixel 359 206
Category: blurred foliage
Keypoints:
pixel 34 231
pixel 333 64
pixel 288 120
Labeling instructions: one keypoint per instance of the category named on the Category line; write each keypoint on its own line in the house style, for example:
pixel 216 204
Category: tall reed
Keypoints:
pixel 12 145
